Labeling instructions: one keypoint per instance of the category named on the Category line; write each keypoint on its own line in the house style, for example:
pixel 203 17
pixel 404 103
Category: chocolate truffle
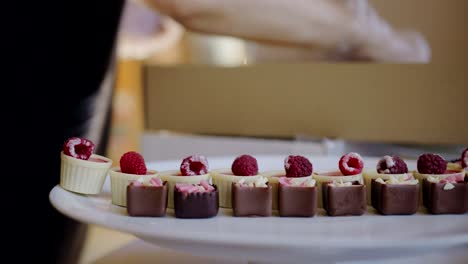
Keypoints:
pixel 439 200
pixel 197 204
pixel 145 200
pixel 251 201
pixel 344 201
pixel 395 199
pixel 296 201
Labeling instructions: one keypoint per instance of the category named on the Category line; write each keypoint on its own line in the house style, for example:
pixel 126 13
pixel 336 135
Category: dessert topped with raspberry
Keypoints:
pixel 297 171
pixel 433 168
pixel 82 149
pixel 389 169
pixel 443 190
pixel 82 171
pixel 244 167
pixel 132 167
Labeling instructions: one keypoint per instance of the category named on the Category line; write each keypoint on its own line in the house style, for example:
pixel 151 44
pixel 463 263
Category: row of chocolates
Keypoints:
pixel 339 199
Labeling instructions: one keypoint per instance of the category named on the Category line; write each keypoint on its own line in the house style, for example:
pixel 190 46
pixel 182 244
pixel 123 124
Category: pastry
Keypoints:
pixel 193 170
pixel 132 167
pixel 297 199
pixel 147 197
pixel 244 167
pixel 344 198
pixel 395 196
pixel 196 200
pixel 445 195
pixel 81 170
pixel 350 168
pixel 253 198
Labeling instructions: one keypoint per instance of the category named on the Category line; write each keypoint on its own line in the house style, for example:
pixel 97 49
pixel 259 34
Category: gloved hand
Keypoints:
pixel 346 28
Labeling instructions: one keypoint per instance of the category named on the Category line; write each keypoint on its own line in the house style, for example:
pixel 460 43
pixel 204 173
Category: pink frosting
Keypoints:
pixel 153 182
pixel 285 181
pixel 459 177
pixel 156 182
pixel 204 186
pixel 136 183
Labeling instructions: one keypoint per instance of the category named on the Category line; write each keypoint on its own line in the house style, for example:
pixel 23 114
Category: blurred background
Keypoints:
pixel 157 58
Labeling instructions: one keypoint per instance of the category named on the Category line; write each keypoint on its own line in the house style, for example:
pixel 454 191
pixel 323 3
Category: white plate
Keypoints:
pixel 277 239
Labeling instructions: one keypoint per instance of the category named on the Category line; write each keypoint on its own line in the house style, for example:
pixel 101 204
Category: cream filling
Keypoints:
pixel 340 183
pixel 397 180
pixel 260 182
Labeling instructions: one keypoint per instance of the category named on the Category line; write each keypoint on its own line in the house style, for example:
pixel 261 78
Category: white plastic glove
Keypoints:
pixel 350 28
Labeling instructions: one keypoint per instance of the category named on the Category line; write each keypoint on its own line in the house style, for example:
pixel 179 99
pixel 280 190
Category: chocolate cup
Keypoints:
pixel 344 201
pixel 297 201
pixel 395 199
pixel 440 201
pixel 251 201
pixel 147 200
pixel 196 205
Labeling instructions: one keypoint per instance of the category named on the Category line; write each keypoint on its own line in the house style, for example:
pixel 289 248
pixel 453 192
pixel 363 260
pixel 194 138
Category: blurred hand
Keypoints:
pixel 349 28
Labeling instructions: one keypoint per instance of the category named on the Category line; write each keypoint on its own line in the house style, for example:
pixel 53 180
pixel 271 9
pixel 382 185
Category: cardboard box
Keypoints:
pixel 416 104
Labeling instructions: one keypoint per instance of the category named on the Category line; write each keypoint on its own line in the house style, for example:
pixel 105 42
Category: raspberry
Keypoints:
pixel 392 165
pixel 464 158
pixel 431 164
pixel 194 165
pixel 132 163
pixel 297 166
pixel 80 148
pixel 351 164
pixel 245 165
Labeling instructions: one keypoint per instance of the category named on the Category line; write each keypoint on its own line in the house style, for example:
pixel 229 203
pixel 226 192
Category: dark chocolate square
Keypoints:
pixel 146 200
pixel 196 205
pixel 440 201
pixel 395 199
pixel 297 201
pixel 251 201
pixel 344 201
